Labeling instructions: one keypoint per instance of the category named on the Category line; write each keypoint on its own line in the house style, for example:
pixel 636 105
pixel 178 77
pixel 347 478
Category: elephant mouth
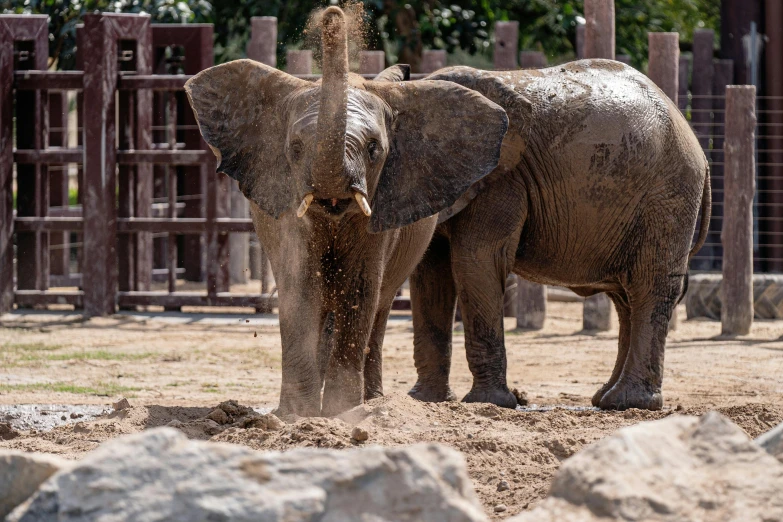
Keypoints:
pixel 334 207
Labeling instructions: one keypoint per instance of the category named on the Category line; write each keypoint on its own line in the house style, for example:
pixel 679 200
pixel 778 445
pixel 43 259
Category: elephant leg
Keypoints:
pixel 639 384
pixel 481 283
pixel 344 386
pixel 326 343
pixel 300 391
pixel 433 302
pixel 620 301
pixel 373 364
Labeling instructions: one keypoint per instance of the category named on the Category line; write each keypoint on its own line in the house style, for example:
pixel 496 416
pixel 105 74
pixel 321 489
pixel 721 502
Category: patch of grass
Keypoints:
pixel 101 389
pixel 210 387
pixel 98 355
pixel 30 347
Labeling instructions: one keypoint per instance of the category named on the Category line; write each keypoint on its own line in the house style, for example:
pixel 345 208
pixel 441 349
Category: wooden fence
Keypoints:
pixel 151 210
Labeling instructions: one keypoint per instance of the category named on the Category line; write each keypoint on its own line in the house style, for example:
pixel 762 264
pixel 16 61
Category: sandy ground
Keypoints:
pixel 179 368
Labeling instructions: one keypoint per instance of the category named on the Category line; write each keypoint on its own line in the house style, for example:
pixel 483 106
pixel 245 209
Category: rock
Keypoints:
pixel 218 415
pixel 772 442
pixel 161 475
pixel 677 468
pixel 21 474
pixel 121 404
pixel 359 434
pixel 268 421
pixel 7 432
pixel 503 486
pixel 500 508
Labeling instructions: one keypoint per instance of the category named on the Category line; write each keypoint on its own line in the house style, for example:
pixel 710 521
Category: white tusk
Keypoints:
pixel 362 201
pixel 305 205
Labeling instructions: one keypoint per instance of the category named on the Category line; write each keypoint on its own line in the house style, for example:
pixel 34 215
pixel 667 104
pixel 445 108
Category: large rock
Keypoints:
pixel 161 475
pixel 678 468
pixel 772 442
pixel 21 474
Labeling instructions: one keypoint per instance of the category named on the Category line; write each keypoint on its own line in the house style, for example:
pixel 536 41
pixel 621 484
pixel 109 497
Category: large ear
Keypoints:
pixel 444 138
pixel 396 73
pixel 238 106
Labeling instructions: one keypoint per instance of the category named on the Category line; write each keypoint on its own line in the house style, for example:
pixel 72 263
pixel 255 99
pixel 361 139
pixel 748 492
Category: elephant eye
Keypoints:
pixel 373 149
pixel 296 149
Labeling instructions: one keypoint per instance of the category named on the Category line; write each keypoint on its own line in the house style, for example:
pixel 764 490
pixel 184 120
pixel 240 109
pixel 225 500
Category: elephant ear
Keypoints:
pixel 238 106
pixel 396 73
pixel 444 138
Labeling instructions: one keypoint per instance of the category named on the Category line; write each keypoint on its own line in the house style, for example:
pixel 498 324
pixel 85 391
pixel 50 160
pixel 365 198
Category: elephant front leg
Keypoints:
pixel 373 364
pixel 353 321
pixel 433 302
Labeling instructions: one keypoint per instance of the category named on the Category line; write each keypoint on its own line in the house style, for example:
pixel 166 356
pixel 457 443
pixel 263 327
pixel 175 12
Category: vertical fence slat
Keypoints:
pixel 506 45
pixel 599 29
pixel 773 142
pixel 432 60
pixel 664 62
pixel 6 170
pixel 372 62
pixel 143 196
pixel 263 40
pixel 59 244
pixel 737 286
pixel 684 73
pixel 299 62
pixel 701 105
pixel 723 74
pixel 99 273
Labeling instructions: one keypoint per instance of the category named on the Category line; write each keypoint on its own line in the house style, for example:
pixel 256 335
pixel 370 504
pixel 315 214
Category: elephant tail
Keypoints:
pixel 706 213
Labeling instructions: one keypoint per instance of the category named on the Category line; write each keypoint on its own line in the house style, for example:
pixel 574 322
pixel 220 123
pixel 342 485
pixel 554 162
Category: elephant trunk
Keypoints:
pixel 328 175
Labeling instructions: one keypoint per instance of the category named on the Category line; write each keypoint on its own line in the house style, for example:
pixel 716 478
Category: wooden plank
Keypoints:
pixel 664 62
pixel 182 225
pixel 6 167
pixel 179 299
pixel 740 170
pixel 154 82
pixel 48 156
pixel 59 244
pixel 262 46
pixel 163 157
pixel 31 298
pixel 32 224
pixel 599 29
pixel 48 80
pixel 701 121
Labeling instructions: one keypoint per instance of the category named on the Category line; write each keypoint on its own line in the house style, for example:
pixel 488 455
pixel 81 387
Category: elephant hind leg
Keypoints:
pixel 620 300
pixel 373 364
pixel 639 384
pixel 433 301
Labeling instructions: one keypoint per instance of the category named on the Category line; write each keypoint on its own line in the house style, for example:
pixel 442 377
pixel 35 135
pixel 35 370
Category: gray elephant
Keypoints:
pixel 598 189
pixel 346 178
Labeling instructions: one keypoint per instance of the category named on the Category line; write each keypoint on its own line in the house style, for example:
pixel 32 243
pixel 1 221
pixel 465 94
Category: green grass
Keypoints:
pixel 30 347
pixel 98 355
pixel 101 389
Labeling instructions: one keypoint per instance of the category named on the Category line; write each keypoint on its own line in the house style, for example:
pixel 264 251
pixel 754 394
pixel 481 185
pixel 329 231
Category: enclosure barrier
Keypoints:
pixel 176 220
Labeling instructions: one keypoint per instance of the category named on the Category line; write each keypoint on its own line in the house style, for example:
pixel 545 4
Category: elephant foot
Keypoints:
pixel 624 395
pixel 373 393
pixel 498 396
pixel 425 393
pixel 596 400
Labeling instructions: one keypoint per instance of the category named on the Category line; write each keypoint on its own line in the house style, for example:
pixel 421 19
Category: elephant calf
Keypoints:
pixel 598 189
pixel 346 178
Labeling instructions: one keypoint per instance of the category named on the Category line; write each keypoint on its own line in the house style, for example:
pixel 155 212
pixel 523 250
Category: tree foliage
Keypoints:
pixel 402 29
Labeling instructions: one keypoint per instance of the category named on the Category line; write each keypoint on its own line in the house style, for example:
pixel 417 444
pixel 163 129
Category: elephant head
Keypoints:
pixel 396 151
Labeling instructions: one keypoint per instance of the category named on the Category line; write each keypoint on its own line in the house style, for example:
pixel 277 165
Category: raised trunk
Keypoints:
pixel 328 177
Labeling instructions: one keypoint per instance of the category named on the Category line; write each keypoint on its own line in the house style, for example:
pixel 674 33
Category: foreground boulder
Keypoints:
pixel 21 474
pixel 678 468
pixel 161 475
pixel 772 442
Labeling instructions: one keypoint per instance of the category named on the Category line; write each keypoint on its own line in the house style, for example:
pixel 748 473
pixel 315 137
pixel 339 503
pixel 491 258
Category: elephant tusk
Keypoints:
pixel 304 205
pixel 362 201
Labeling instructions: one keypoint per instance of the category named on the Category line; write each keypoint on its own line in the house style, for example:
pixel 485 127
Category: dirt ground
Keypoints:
pixel 178 369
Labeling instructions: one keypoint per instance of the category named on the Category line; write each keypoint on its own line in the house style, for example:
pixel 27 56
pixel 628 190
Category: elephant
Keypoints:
pixel 345 178
pixel 598 189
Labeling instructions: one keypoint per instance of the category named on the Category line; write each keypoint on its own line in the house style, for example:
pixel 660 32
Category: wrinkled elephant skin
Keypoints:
pixel 598 189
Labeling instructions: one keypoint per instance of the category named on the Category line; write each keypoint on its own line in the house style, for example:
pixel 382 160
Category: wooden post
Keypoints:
pixel 532 60
pixel 599 43
pixel 432 60
pixel 299 62
pixel 263 40
pixel 531 305
pixel 664 70
pixel 682 82
pixel 723 75
pixel 738 150
pixel 599 29
pixel 664 62
pixel 506 45
pixel 372 62
pixel 580 41
pixel 99 273
pixel 701 120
